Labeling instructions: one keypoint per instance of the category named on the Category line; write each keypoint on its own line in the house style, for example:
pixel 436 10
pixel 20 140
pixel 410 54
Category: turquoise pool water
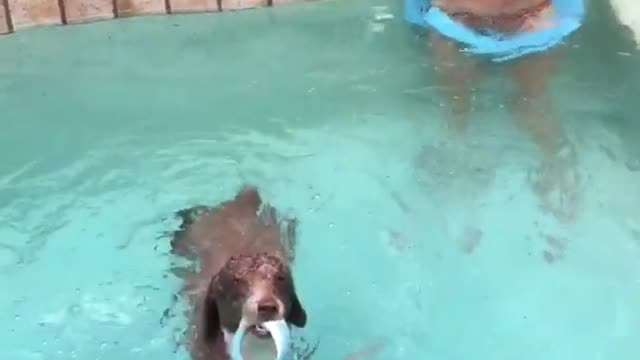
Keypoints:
pixel 412 245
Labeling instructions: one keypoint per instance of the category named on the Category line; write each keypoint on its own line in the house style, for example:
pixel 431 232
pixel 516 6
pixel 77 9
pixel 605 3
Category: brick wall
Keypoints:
pixel 20 14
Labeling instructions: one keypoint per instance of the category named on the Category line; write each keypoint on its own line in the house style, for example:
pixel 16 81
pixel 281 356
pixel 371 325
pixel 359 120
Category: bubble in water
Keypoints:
pixel 331 225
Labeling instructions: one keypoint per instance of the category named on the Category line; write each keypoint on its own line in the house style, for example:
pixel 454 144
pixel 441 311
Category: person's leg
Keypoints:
pixel 456 73
pixel 531 102
pixel 533 110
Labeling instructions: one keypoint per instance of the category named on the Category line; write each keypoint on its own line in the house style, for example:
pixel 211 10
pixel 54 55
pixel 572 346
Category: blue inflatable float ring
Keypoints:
pixel 500 47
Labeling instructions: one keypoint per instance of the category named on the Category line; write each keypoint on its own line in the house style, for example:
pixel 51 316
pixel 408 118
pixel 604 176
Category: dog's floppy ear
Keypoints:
pixel 211 315
pixel 297 315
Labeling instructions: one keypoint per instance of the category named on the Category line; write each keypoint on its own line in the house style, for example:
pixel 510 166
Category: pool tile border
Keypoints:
pixel 22 14
pixel 244 4
pixel 80 11
pixel 6 23
pixel 128 8
pixel 191 6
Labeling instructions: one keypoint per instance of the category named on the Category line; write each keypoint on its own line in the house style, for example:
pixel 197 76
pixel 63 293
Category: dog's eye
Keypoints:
pixel 280 278
pixel 237 280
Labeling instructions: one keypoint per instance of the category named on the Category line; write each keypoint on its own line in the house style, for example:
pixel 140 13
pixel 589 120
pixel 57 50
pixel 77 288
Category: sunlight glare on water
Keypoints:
pixel 411 244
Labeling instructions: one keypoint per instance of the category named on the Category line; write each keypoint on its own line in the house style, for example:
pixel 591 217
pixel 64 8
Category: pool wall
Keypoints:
pixel 21 14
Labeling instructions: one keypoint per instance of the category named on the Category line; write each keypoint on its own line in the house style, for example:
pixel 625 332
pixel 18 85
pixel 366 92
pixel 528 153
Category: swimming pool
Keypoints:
pixel 411 245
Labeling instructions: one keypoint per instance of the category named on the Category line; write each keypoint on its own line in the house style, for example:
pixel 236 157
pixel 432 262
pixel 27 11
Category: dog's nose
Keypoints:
pixel 267 308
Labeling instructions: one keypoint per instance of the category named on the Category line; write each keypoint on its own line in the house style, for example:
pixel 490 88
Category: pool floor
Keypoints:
pixel 413 243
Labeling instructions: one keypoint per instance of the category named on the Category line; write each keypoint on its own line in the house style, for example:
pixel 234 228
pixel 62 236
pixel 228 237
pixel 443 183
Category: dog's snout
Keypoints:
pixel 267 308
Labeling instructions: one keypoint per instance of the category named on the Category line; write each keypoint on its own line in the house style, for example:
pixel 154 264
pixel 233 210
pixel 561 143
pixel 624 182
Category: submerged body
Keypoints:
pixel 486 7
pixel 507 16
pixel 244 281
pixel 464 32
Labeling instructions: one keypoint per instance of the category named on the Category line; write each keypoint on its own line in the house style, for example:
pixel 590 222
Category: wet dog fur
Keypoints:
pixel 244 255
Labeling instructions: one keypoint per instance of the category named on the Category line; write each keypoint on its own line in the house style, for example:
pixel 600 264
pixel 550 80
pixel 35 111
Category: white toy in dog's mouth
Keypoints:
pixel 278 329
pixel 259 330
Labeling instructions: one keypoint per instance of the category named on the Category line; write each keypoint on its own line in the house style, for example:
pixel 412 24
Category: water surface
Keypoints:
pixel 412 243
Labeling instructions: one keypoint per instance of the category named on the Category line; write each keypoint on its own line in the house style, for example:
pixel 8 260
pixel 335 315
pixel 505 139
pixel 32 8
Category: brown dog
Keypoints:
pixel 244 255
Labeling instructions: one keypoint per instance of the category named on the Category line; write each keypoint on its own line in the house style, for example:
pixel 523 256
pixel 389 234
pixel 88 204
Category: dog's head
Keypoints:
pixel 253 289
